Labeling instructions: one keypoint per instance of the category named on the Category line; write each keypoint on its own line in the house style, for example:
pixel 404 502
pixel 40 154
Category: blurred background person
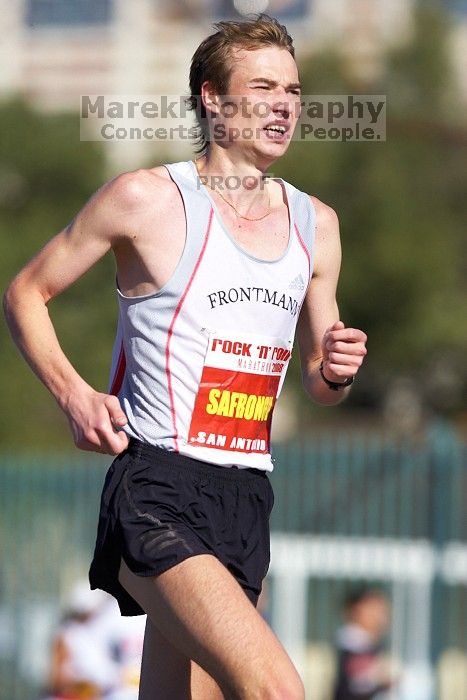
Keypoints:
pixel 363 672
pixel 82 665
pixel 95 652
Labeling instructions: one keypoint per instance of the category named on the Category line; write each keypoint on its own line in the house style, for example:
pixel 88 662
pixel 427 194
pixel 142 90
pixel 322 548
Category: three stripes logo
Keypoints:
pixel 297 283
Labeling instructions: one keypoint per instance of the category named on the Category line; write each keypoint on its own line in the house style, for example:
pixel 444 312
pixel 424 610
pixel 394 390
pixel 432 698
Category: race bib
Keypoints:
pixel 240 382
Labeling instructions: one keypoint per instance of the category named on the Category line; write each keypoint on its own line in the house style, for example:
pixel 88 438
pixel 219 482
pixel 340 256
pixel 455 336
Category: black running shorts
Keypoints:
pixel 159 508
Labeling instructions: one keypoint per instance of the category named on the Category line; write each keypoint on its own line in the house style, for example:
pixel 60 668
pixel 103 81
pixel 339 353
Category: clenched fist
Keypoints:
pixel 343 351
pixel 96 421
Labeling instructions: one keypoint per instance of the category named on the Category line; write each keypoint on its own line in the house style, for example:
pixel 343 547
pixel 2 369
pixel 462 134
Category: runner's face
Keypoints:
pixel 263 105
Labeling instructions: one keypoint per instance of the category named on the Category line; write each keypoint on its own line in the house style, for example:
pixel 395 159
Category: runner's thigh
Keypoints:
pixel 203 612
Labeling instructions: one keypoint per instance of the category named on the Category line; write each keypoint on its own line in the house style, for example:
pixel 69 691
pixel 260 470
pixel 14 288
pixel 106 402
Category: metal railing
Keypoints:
pixel 347 507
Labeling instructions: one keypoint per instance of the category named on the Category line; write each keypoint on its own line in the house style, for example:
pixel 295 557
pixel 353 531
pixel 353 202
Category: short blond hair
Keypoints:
pixel 212 59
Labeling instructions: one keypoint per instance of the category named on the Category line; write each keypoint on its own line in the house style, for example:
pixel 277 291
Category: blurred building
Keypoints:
pixel 53 51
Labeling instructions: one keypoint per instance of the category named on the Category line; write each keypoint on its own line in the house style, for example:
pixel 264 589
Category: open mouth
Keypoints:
pixel 276 132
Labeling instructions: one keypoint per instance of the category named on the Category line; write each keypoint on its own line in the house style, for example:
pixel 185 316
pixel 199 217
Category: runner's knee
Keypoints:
pixel 272 686
pixel 288 687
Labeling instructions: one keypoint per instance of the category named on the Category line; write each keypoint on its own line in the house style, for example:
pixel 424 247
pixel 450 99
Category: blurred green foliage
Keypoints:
pixel 402 209
pixel 46 174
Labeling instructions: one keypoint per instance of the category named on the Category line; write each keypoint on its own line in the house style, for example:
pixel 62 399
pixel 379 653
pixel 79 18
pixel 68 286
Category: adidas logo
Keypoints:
pixel 297 283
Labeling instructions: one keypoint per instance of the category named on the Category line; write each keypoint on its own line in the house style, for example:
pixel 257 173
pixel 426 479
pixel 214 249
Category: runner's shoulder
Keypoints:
pixel 326 216
pixel 123 203
pixel 134 190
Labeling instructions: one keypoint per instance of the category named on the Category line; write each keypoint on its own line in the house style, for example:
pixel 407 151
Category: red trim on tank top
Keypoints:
pixel 307 252
pixel 170 331
pixel 119 372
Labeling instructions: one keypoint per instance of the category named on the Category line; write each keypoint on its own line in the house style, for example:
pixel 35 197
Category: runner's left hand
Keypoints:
pixel 343 351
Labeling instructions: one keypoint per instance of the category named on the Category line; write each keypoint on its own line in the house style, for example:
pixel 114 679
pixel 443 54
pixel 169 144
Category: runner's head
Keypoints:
pixel 231 62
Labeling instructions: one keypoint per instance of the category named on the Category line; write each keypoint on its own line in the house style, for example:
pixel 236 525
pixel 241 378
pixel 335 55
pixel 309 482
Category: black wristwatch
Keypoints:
pixel 335 386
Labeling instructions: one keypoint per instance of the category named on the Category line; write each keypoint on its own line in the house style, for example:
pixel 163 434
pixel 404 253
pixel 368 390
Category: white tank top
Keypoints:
pixel 199 364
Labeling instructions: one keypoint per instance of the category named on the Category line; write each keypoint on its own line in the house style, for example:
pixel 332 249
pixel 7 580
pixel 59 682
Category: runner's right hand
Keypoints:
pixel 96 421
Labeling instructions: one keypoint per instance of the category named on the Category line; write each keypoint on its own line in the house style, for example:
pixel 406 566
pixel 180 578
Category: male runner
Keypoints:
pixel 211 282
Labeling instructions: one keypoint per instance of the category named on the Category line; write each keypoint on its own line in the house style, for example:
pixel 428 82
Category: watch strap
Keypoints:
pixel 334 386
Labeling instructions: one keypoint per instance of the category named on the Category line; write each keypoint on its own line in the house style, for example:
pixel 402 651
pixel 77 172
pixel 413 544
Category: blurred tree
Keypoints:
pixel 46 175
pixel 401 204
pixel 402 212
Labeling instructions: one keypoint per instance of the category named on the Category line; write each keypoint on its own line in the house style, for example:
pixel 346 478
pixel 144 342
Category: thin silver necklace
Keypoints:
pixel 242 216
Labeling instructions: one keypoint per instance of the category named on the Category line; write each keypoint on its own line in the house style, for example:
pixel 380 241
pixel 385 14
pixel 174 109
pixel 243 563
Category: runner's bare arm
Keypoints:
pixel 99 226
pixel 321 335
